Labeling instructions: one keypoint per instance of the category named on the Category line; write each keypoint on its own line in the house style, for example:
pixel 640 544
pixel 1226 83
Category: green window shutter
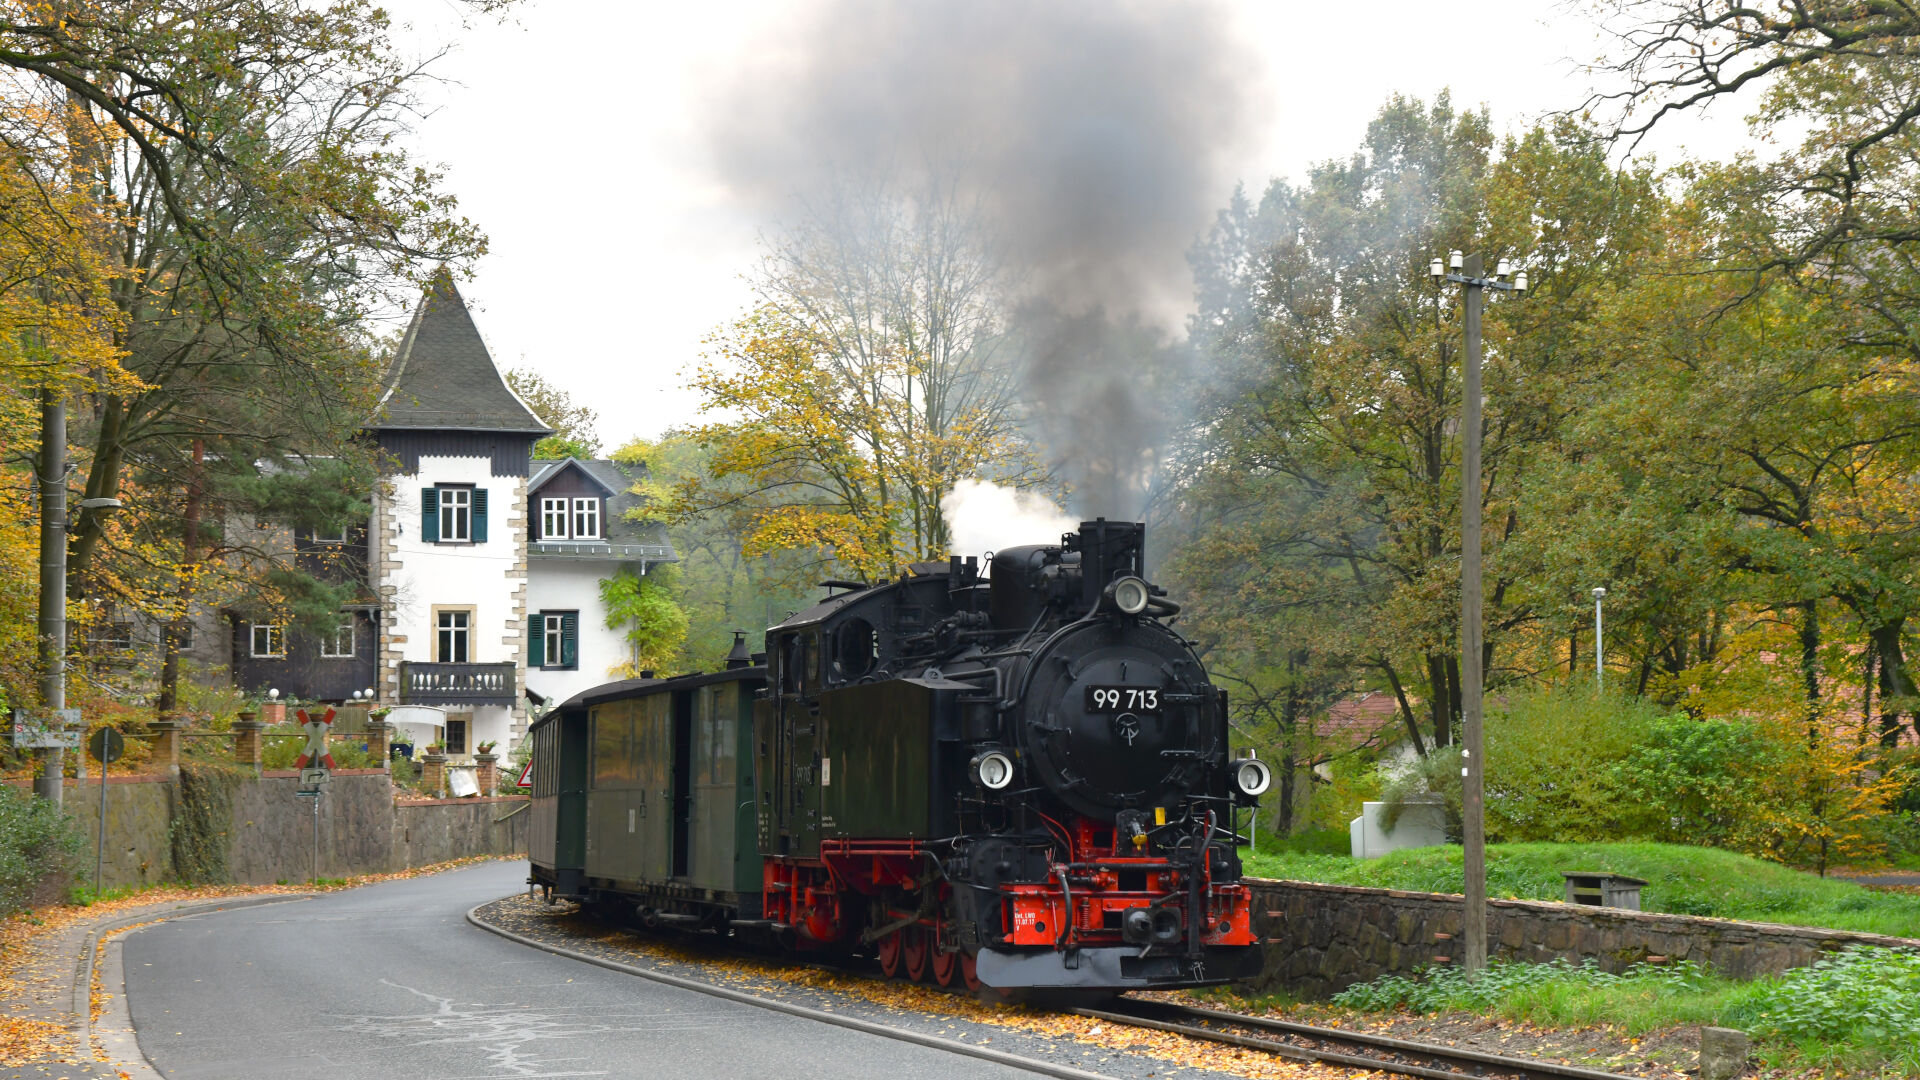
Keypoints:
pixel 430 515
pixel 570 640
pixel 479 515
pixel 537 640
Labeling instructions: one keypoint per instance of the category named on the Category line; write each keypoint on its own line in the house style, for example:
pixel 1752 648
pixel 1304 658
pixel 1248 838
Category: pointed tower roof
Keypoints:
pixel 442 377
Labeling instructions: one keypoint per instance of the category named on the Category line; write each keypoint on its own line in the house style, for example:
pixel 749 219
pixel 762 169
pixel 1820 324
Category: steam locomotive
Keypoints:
pixel 1020 781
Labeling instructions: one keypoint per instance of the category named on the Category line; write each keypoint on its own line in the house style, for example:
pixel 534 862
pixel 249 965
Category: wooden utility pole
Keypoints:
pixel 1472 775
pixel 1469 272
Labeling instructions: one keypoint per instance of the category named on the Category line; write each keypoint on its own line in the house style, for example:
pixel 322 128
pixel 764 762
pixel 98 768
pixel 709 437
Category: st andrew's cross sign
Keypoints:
pixel 316 751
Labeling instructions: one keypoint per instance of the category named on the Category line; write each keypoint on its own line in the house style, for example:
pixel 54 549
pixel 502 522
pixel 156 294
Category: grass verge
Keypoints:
pixel 1680 880
pixel 1857 1012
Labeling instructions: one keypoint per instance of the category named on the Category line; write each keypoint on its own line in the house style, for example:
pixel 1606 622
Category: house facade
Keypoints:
pixel 462 596
pixel 579 536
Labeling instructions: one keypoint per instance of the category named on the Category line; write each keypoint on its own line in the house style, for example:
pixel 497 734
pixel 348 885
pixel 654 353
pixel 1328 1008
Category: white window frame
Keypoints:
pixel 553 512
pixel 346 632
pixel 456 515
pixel 336 538
pixel 276 641
pixel 586 519
pixel 118 638
pixel 445 633
pixel 553 630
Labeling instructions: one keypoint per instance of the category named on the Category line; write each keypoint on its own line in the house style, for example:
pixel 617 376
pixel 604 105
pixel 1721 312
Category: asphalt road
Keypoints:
pixel 389 980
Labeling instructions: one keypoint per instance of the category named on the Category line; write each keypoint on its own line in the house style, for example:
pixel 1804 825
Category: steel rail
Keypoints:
pixel 1476 1064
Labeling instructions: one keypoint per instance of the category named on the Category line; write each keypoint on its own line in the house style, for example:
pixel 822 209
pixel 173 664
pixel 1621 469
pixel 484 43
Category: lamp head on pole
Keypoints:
pixel 1503 269
pixel 273 694
pixel 1520 281
pixel 1599 592
pixel 1436 269
pixel 1456 259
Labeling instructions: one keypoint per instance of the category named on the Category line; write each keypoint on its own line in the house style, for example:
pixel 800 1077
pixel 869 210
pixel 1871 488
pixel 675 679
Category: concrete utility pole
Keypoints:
pixel 1469 273
pixel 53 582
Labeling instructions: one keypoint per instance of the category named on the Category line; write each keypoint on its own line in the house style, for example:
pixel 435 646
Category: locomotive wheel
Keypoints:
pixel 914 950
pixel 970 971
pixel 946 968
pixel 890 954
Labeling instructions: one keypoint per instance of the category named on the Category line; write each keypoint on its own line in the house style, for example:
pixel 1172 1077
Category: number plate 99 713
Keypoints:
pixel 1123 699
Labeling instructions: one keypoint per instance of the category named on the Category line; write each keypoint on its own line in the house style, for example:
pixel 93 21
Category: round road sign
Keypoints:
pixel 107 744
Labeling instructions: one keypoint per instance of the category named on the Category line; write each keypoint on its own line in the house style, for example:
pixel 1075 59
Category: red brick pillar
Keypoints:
pixel 379 736
pixel 488 774
pixel 246 740
pixel 166 745
pixel 433 773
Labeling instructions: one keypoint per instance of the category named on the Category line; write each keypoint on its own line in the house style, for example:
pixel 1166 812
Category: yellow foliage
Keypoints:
pixel 830 458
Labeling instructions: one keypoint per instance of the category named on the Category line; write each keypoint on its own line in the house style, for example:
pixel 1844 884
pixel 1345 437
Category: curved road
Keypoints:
pixel 390 980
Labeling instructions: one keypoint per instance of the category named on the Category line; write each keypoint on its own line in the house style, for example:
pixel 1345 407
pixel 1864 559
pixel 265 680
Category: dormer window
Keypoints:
pixel 586 519
pixel 564 518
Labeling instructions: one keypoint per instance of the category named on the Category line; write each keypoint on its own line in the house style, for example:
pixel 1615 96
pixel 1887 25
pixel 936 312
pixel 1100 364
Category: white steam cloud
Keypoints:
pixel 987 517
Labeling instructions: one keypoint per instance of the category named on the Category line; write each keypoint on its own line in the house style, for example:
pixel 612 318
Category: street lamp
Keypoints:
pixel 1599 646
pixel 1468 272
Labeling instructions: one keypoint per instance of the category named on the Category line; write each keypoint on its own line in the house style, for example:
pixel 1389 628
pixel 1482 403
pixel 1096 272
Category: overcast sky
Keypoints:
pixel 574 133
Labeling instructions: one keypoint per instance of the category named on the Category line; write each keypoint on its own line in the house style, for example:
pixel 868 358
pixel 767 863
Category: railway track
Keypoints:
pixel 1334 1046
pixel 1282 1038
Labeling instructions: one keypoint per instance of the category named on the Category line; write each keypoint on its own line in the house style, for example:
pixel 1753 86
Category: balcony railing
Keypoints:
pixel 456 684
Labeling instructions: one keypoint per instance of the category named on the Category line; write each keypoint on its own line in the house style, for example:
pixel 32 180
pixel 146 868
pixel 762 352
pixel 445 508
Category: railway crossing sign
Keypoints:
pixel 316 749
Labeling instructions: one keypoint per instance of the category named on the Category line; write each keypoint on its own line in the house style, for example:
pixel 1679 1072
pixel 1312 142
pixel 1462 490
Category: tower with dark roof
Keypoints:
pixel 448 548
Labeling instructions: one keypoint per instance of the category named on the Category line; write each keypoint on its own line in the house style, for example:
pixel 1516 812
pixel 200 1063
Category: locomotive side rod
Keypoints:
pixel 935 1042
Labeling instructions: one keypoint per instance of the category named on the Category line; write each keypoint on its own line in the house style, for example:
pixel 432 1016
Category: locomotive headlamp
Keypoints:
pixel 1252 776
pixel 1129 595
pixel 993 770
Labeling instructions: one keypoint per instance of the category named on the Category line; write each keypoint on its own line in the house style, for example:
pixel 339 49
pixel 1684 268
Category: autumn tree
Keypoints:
pixel 572 423
pixel 249 155
pixel 898 291
pixel 1327 486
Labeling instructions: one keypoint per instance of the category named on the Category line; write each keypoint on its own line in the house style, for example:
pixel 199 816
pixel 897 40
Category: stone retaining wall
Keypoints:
pixel 362 829
pixel 1324 938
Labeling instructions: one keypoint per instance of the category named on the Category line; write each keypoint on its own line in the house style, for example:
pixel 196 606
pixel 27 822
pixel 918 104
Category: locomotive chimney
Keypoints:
pixel 738 658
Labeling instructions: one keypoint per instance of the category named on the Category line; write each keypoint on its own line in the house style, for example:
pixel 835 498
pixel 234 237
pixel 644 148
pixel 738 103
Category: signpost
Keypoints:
pixel 107 745
pixel 315 764
pixel 32 732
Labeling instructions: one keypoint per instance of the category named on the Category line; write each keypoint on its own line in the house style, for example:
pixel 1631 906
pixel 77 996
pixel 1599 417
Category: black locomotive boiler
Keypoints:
pixel 1021 781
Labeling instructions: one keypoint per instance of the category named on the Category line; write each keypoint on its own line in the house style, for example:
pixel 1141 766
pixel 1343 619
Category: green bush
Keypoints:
pixel 1863 995
pixel 37 841
pixel 1698 781
pixel 1453 989
pixel 1551 756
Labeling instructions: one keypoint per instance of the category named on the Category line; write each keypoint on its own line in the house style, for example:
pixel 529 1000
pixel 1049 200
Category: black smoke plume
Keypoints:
pixel 1095 137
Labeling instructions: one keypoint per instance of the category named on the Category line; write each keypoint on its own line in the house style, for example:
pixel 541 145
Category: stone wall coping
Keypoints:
pixel 294 774
pixel 1606 914
pixel 468 801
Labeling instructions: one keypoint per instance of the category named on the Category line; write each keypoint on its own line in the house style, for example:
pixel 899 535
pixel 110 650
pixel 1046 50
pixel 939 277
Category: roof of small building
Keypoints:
pixel 443 378
pixel 1359 719
pixel 617 480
